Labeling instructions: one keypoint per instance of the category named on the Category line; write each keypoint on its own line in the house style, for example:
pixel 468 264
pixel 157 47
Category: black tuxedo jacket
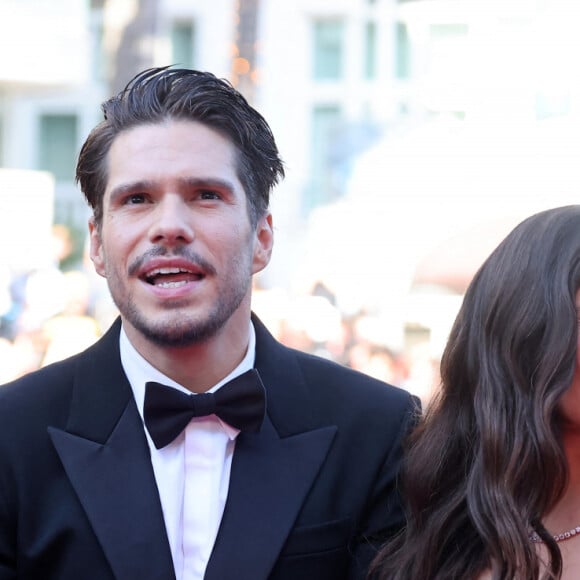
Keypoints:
pixel 309 495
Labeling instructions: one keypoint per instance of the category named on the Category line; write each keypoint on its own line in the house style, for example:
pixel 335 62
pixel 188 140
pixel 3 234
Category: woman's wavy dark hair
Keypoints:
pixel 158 94
pixel 487 461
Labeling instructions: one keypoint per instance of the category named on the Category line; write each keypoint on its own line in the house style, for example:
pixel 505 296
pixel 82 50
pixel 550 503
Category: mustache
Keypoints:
pixel 185 253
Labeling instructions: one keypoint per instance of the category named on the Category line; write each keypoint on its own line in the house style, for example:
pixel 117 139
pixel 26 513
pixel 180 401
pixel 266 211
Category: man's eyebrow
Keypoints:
pixel 208 182
pixel 185 182
pixel 132 187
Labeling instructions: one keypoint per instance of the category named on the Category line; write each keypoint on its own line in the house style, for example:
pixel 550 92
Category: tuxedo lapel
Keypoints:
pixel 272 471
pixel 269 482
pixel 106 458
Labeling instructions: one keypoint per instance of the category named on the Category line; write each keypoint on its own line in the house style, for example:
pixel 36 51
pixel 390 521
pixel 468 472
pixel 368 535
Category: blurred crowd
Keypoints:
pixel 49 312
pixel 52 312
pixel 313 323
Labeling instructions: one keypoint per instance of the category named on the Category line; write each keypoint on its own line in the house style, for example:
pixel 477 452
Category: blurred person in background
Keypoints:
pixel 188 443
pixel 42 289
pixel 491 480
pixel 6 303
pixel 72 329
pixel 38 302
pixel 7 366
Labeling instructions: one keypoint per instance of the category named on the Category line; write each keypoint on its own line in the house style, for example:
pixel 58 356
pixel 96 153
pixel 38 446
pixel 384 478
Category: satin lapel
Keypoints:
pixel 270 479
pixel 106 458
pixel 272 471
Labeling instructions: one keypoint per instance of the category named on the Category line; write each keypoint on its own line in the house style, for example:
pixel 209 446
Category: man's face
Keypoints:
pixel 175 242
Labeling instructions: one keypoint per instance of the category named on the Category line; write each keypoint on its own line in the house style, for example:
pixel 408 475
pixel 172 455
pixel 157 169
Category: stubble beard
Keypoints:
pixel 179 329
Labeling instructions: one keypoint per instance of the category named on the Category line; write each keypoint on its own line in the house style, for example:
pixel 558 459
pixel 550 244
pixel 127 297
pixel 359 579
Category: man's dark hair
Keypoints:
pixel 158 94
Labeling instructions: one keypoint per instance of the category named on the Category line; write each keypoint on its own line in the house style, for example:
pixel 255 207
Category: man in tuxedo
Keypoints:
pixel 187 443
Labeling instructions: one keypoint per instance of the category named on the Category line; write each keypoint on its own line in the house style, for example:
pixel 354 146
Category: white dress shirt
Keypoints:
pixel 192 472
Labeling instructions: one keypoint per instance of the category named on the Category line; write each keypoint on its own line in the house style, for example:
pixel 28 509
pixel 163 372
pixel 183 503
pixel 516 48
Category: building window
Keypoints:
pixel 448 31
pixel 370 49
pixel 402 51
pixel 325 125
pixel 58 145
pixel 328 49
pixel 447 52
pixel 182 44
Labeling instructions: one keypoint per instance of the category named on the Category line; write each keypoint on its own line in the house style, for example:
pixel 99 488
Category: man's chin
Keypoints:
pixel 177 334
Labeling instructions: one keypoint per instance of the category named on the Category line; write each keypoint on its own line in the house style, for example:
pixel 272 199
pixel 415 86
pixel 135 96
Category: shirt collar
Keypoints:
pixel 139 371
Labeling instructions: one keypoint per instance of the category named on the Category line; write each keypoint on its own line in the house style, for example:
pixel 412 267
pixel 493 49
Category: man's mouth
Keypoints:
pixel 171 277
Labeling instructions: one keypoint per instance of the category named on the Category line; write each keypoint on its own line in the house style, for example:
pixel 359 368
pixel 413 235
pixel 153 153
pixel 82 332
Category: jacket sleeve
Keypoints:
pixel 384 516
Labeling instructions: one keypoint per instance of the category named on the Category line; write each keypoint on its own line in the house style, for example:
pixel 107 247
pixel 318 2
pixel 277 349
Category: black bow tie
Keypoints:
pixel 241 403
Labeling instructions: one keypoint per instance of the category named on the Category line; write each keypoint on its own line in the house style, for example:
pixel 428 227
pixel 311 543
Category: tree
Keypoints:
pixel 244 65
pixel 130 30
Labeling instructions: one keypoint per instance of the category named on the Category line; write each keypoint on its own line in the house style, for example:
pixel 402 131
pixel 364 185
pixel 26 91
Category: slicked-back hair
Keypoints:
pixel 160 94
pixel 487 461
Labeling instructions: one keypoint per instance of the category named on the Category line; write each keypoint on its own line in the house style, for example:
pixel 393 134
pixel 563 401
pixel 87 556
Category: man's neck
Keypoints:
pixel 197 367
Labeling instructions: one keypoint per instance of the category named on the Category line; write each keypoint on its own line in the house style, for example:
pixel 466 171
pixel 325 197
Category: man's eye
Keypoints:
pixel 209 195
pixel 134 199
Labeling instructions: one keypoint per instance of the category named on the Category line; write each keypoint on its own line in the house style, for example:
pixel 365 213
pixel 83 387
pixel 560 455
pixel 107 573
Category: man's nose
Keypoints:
pixel 171 221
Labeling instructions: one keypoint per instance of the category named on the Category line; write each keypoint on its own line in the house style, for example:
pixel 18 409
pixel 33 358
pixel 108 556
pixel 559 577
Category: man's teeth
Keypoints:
pixel 165 271
pixel 171 284
pixel 171 276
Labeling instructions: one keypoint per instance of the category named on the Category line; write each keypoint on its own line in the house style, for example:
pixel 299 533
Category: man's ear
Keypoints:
pixel 96 247
pixel 264 241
